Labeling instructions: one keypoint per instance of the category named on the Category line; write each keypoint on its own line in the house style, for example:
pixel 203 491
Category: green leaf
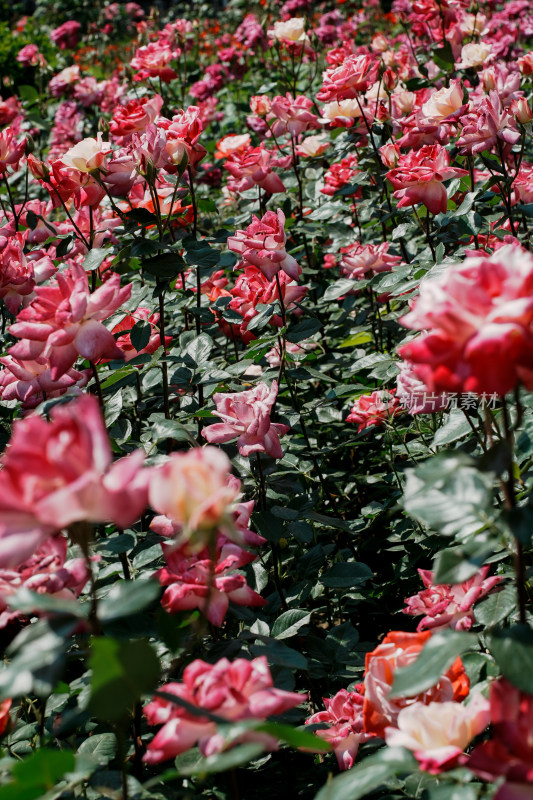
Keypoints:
pixel 140 334
pixel 345 575
pixel 305 329
pixel 378 769
pixel 455 428
pixel 358 338
pixel 279 653
pixel 295 737
pixel 207 204
pixel 39 656
pixel 290 622
pixel 165 266
pixel 28 93
pixel 62 247
pixel 169 429
pixel 458 564
pixel 30 602
pixel 512 649
pixel 121 672
pixel 496 606
pixel 447 493
pixel 198 350
pixel 101 747
pixel 443 57
pixel 437 655
pixel 236 757
pixel 402 230
pixel 201 256
pixel 338 289
pixel 38 773
pixel 32 220
pixel 94 258
pixel 263 316
pixel 128 597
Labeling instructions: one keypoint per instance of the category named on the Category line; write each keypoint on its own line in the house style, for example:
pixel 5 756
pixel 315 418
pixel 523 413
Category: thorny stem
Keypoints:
pixel 510 503
pixel 164 365
pixel 273 545
pixel 198 288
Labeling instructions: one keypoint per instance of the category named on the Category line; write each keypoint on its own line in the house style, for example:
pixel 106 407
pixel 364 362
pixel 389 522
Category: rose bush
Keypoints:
pixel 267 348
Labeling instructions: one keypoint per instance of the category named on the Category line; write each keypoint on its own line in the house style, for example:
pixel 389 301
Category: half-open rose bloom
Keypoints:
pixel 251 167
pixel 475 54
pixel 18 273
pixel 290 32
pixel 61 472
pixel 47 571
pixel 399 649
pixel 153 60
pixel 262 244
pixel 72 173
pixel 207 579
pixel 374 409
pixel 11 150
pixel 438 733
pixel 64 321
pixel 341 113
pixel 233 143
pixel 31 381
pixel 87 155
pixel 233 691
pixel 340 174
pixel 292 115
pixel 246 418
pixel 449 606
pixel 489 125
pixel 476 320
pixel 418 176
pixel 509 751
pixel 134 117
pixel 360 259
pixel 351 78
pixel 445 103
pixel 194 495
pixel 312 146
pixel 67 35
pixel 344 714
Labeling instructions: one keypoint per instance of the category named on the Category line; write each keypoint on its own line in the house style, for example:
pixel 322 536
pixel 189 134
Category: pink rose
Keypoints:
pixel 64 321
pixel 418 176
pixel 352 77
pixel 11 150
pixel 262 244
pixel 194 496
pixel 374 409
pixel 45 572
pixel 61 472
pixel 234 691
pixel 246 418
pixel 446 606
pixel 207 580
pixel 67 35
pixel 344 714
pixel 476 323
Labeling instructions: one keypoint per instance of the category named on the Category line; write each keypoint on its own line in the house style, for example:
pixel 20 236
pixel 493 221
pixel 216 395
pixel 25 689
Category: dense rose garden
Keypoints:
pixel 266 386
